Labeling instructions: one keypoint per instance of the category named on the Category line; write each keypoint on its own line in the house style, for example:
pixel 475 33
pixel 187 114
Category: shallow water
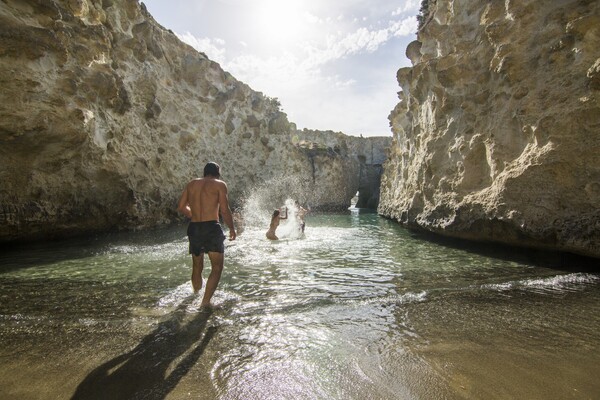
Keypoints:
pixel 358 308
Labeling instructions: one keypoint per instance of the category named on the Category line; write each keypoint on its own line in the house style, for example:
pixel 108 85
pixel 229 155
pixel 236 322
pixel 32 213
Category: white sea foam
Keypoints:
pixel 561 281
pixel 499 286
pixel 396 299
pixel 558 282
pixel 176 296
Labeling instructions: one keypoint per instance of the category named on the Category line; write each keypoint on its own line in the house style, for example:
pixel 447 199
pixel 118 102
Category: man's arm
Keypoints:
pixel 226 211
pixel 183 206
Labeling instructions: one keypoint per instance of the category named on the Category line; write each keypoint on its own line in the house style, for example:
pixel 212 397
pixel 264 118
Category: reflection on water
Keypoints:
pixel 356 308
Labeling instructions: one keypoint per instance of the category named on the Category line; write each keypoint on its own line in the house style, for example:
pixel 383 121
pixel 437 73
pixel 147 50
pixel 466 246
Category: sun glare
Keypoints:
pixel 280 21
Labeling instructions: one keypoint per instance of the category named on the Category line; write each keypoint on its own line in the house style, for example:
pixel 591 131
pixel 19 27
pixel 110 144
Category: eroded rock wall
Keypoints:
pixel 497 133
pixel 105 116
pixel 365 159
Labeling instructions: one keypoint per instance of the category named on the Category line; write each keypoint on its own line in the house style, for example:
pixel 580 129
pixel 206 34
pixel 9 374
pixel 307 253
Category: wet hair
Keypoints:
pixel 275 213
pixel 212 169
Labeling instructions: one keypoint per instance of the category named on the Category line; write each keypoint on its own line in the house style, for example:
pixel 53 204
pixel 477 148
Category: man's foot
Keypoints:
pixel 209 306
pixel 205 308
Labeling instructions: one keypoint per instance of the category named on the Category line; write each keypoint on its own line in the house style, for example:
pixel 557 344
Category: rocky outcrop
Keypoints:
pixel 105 116
pixel 497 132
pixel 365 159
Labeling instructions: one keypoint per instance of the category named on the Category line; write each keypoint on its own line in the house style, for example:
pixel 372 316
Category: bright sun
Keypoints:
pixel 280 21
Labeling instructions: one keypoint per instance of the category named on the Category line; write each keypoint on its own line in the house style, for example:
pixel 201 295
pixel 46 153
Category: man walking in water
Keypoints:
pixel 202 200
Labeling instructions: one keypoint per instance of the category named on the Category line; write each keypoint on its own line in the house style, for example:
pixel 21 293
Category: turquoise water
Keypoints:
pixel 358 308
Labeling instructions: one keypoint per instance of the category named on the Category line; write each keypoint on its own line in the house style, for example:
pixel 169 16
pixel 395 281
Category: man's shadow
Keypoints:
pixel 142 372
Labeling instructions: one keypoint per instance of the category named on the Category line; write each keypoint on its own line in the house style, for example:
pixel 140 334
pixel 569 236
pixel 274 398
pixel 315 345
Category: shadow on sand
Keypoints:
pixel 143 371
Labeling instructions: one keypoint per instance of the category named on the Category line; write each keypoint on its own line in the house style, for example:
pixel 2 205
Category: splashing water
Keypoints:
pixel 291 227
pixel 274 195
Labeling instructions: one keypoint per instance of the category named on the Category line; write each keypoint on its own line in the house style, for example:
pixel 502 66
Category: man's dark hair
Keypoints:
pixel 212 169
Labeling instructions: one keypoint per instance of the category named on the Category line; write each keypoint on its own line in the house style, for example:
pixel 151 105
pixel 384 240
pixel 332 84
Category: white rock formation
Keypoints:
pixel 497 133
pixel 105 116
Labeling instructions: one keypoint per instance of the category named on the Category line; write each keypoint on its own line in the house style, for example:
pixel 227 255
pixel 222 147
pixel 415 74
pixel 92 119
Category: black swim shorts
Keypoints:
pixel 206 236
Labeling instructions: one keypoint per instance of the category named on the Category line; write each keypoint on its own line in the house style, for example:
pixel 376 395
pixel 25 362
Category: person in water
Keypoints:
pixel 202 200
pixel 274 224
pixel 300 215
pixel 238 221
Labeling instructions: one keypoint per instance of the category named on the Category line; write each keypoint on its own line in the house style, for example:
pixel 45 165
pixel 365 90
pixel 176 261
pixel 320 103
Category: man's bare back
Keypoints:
pixel 203 199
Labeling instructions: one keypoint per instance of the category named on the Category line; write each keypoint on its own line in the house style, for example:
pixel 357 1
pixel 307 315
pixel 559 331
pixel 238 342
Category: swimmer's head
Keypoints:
pixel 275 213
pixel 212 169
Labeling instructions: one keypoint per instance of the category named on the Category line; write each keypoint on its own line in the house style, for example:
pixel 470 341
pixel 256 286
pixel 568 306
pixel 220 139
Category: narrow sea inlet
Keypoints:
pixel 358 308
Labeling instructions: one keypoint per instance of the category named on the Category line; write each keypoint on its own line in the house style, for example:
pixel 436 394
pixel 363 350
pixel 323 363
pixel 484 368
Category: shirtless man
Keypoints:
pixel 202 200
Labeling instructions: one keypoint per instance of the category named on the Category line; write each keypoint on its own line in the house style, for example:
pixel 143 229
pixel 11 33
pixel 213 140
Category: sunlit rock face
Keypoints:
pixel 497 133
pixel 105 116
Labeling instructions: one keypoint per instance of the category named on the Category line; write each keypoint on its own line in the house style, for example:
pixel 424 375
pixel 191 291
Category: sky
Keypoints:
pixel 331 63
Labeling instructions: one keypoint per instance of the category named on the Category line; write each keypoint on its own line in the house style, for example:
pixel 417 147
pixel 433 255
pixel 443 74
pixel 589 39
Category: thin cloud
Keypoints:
pixel 405 27
pixel 410 6
pixel 312 19
pixel 362 40
pixel 213 48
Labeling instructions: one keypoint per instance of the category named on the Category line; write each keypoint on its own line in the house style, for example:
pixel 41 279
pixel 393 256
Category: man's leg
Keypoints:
pixel 197 267
pixel 216 261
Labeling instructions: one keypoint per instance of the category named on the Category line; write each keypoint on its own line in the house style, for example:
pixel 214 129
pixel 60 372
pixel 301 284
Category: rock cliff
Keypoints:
pixel 367 155
pixel 105 116
pixel 497 132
